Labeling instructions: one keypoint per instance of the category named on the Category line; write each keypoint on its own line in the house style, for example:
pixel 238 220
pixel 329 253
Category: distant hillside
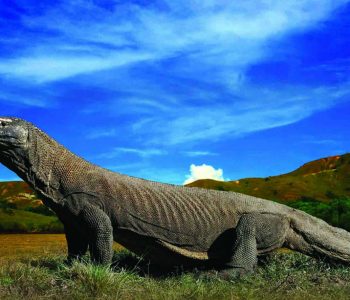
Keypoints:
pixel 323 179
pixel 19 193
pixel 13 188
pixel 22 211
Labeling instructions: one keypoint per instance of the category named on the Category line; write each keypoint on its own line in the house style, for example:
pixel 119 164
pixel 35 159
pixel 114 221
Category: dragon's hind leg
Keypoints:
pixel 254 234
pixel 244 251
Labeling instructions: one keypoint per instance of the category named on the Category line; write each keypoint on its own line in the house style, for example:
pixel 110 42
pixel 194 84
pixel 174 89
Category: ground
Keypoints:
pixel 34 274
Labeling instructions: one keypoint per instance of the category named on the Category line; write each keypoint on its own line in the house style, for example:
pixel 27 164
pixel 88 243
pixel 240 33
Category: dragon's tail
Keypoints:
pixel 315 237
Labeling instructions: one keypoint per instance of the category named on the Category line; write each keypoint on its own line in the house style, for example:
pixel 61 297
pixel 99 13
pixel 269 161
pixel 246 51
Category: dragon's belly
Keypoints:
pixel 270 235
pixel 159 252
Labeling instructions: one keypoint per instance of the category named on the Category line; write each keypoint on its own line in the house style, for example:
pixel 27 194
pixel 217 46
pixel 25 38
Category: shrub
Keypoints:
pixel 336 212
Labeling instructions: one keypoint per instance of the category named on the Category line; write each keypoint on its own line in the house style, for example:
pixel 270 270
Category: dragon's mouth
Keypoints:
pixel 7 142
pixel 7 139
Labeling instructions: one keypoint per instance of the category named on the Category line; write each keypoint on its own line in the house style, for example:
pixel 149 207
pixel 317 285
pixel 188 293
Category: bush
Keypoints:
pixel 7 207
pixel 336 212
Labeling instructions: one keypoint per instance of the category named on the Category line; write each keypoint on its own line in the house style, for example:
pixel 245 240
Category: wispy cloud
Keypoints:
pixel 142 103
pixel 258 110
pixel 175 71
pixel 20 96
pixel 139 152
pixel 101 133
pixel 123 34
pixel 199 153
pixel 171 77
pixel 45 67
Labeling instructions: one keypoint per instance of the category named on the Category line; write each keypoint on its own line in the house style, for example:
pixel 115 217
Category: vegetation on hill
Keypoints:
pixel 336 212
pixel 19 221
pixel 22 212
pixel 320 188
pixel 323 180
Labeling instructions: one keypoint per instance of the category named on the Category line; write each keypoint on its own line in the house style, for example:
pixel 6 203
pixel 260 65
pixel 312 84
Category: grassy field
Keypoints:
pixel 37 271
pixel 26 246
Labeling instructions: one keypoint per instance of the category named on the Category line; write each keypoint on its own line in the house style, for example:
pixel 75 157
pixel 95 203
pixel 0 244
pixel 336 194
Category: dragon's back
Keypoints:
pixel 191 218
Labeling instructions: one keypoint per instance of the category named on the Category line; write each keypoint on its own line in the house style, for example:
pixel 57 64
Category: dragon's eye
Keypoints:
pixel 3 124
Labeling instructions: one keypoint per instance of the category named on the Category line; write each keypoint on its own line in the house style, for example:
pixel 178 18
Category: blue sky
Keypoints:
pixel 154 88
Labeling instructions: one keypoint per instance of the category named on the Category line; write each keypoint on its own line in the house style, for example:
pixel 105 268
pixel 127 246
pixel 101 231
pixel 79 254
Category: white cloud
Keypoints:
pixel 203 172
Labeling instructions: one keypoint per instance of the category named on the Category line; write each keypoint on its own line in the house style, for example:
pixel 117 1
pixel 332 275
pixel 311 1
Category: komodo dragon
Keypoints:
pixel 168 224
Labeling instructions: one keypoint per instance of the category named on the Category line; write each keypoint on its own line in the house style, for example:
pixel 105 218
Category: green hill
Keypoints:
pixel 20 221
pixel 323 180
pixel 19 193
pixel 320 188
pixel 22 211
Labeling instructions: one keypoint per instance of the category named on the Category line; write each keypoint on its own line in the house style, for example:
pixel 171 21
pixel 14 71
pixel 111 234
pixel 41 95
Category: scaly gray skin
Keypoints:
pixel 170 225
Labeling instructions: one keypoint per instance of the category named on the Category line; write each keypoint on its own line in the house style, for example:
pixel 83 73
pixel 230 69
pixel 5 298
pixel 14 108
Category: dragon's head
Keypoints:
pixel 13 134
pixel 25 150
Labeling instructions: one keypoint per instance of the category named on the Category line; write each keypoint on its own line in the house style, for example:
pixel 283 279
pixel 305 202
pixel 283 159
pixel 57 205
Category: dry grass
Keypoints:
pixel 22 246
pixel 41 274
pixel 18 246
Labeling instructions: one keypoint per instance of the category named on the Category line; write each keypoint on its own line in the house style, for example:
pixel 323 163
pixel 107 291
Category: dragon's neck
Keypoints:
pixel 48 169
pixel 35 164
pixel 54 171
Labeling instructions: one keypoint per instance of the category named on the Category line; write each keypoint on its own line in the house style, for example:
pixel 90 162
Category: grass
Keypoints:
pixel 24 246
pixel 283 275
pixel 15 220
